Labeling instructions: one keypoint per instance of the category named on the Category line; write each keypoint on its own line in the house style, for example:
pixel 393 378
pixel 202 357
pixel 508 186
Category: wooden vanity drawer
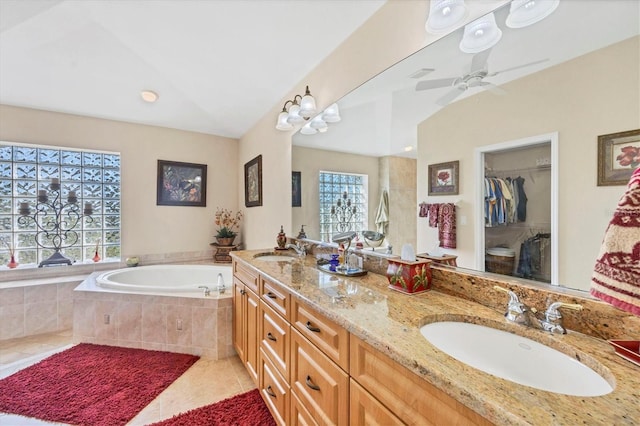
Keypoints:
pixel 274 339
pixel 366 410
pixel 299 414
pixel 245 274
pixel 275 391
pixel 412 399
pixel 318 382
pixel 329 337
pixel 275 296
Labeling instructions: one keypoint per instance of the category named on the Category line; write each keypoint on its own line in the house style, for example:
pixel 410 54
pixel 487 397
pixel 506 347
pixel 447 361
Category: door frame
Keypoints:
pixel 479 184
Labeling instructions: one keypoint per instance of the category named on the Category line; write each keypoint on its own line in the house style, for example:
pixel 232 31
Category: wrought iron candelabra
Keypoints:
pixel 55 221
pixel 344 212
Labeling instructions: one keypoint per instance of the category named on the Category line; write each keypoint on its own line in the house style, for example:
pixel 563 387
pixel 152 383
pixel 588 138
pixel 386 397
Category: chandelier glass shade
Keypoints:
pixel 527 12
pixel 445 15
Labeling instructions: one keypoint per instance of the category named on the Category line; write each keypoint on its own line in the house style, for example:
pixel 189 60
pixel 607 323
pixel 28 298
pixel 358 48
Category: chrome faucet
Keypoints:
pixel 221 287
pixel 206 289
pixel 300 249
pixel 516 310
pixel 553 319
pixel 520 313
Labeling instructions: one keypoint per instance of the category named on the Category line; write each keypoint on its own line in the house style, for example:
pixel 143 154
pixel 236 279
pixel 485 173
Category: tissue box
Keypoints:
pixel 409 276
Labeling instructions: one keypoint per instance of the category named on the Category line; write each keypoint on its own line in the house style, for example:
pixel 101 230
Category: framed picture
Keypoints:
pixel 181 184
pixel 296 189
pixel 253 182
pixel 618 157
pixel 443 178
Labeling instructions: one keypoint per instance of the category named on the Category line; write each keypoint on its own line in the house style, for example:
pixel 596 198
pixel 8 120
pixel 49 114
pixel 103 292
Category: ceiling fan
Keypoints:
pixel 475 78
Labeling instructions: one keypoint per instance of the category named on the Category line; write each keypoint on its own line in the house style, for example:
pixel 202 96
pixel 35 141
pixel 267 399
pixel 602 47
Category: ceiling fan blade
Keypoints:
pixel 479 61
pixel 450 96
pixel 495 89
pixel 518 66
pixel 434 84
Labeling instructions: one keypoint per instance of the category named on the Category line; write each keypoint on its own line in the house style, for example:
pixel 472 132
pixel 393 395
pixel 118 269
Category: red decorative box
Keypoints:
pixel 409 277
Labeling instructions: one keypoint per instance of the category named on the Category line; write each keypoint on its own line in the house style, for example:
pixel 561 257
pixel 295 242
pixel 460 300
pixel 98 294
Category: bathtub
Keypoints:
pixel 171 280
pixel 157 307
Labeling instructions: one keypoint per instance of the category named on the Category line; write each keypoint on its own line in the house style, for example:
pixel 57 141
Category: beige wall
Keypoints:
pixel 391 34
pixel 146 227
pixel 398 177
pixel 580 100
pixel 310 161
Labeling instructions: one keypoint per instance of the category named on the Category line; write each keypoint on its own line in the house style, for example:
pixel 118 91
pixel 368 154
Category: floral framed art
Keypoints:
pixel 618 157
pixel 253 182
pixel 181 184
pixel 443 178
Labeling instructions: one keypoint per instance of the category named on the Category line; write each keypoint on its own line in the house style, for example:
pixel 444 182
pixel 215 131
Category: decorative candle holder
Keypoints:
pixel 55 221
pixel 409 277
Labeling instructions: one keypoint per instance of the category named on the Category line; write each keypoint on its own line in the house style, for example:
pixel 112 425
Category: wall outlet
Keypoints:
pixel 107 319
pixel 179 324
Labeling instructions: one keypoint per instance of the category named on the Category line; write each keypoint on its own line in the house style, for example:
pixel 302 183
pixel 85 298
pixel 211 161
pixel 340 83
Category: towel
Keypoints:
pixel 616 276
pixel 382 215
pixel 447 225
pixel 433 214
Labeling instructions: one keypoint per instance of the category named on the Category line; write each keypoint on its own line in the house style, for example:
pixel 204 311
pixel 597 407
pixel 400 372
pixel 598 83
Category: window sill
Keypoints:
pixel 34 273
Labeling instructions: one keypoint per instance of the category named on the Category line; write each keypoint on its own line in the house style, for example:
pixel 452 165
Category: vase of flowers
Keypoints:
pixel 227 222
pixel 12 254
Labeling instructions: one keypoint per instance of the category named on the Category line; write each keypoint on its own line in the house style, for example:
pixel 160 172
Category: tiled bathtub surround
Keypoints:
pixel 40 300
pixel 199 326
pixel 28 310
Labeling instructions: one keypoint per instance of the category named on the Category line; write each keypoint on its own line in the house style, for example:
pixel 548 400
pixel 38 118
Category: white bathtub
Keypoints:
pixel 171 280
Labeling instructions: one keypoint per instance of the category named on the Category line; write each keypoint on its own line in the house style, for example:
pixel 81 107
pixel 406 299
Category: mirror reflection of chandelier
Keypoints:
pixel 344 213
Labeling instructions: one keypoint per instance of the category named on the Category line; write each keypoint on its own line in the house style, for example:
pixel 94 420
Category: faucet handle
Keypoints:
pixel 553 318
pixel 553 313
pixel 515 309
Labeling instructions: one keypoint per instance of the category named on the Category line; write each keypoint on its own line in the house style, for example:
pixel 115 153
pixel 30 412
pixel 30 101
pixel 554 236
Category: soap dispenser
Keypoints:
pixel 281 239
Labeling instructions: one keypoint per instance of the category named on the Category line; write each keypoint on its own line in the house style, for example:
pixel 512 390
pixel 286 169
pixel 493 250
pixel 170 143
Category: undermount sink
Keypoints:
pixel 515 358
pixel 274 257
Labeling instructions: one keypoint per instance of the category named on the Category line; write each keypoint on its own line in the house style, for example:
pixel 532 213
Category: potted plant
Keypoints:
pixel 227 221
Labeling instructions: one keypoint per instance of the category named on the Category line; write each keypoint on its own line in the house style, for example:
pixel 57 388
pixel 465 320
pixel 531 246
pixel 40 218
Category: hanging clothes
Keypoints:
pixel 531 261
pixel 504 201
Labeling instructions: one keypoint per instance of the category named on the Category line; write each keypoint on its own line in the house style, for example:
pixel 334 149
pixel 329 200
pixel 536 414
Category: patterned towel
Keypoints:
pixel 447 225
pixel 616 276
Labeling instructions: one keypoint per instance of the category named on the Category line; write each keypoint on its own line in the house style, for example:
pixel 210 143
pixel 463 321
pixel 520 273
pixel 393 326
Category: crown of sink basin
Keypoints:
pixel 516 358
pixel 273 257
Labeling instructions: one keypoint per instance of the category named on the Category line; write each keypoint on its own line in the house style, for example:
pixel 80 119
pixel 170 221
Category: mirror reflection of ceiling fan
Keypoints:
pixel 475 78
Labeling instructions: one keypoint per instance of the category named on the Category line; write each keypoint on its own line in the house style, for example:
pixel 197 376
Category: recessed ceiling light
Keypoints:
pixel 149 96
pixel 408 148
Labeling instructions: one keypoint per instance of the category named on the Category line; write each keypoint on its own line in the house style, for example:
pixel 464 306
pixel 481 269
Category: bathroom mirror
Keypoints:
pixel 575 73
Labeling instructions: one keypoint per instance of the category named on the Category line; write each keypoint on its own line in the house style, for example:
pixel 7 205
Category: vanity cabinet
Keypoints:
pixel 318 382
pixel 312 371
pixel 410 398
pixel 245 318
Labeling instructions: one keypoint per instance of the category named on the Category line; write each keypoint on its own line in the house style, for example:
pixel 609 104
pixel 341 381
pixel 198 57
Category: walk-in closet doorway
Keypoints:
pixel 517 216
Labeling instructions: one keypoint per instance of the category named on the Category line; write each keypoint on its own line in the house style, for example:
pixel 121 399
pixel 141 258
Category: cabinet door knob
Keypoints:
pixel 269 390
pixel 311 384
pixel 271 295
pixel 243 292
pixel 271 337
pixel 312 328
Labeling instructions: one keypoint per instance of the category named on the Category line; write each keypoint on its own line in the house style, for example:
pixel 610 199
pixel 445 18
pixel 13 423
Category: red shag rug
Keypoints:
pixel 247 409
pixel 92 384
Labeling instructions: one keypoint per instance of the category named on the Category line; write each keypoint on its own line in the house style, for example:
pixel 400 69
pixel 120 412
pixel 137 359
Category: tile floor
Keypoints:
pixel 206 382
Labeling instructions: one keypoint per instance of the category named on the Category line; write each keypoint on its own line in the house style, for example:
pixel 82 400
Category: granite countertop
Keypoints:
pixel 390 321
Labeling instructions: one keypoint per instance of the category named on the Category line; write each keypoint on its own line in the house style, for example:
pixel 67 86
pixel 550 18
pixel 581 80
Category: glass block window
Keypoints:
pixel 26 174
pixel 343 203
